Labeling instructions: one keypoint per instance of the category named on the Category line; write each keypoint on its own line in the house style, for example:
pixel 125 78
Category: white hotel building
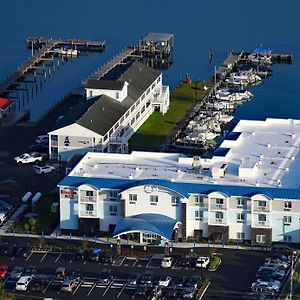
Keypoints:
pixel 248 190
pixel 117 109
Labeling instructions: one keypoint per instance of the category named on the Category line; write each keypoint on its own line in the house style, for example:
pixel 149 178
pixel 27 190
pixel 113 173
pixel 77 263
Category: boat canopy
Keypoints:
pixel 262 51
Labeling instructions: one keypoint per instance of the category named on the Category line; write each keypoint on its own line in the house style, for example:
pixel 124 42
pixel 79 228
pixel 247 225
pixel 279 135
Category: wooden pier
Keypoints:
pixel 82 45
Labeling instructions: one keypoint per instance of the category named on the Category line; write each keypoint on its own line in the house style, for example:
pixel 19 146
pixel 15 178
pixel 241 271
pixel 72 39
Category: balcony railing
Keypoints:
pixel 88 199
pixel 218 207
pixel 217 221
pixel 261 224
pixel 87 214
pixel 261 208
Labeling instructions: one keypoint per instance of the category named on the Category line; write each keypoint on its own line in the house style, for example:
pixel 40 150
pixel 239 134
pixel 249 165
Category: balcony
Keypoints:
pixel 244 207
pixel 201 204
pixel 257 208
pixel 217 221
pixel 88 199
pixel 263 224
pixel 218 207
pixel 87 214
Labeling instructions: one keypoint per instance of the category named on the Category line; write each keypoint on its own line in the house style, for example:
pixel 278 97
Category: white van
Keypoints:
pixel 23 282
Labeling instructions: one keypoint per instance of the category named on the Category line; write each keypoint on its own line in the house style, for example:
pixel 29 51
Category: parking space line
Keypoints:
pixel 135 262
pixel 43 257
pixel 92 288
pixel 108 288
pixel 72 258
pixel 29 256
pixel 77 287
pixel 121 290
pixel 13 257
pixel 180 295
pixel 47 286
pixel 58 257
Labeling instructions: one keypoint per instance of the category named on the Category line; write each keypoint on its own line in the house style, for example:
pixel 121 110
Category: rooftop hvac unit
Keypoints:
pixel 196 162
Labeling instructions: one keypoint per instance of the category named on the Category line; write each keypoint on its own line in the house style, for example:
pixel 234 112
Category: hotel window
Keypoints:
pixel 175 200
pixel 240 217
pixel 287 238
pixel 122 119
pixel 287 220
pixel 143 109
pixel 138 102
pixel 219 201
pixel 287 205
pixel 54 150
pixel 54 137
pixel 117 95
pixel 158 79
pixel 219 215
pixel 148 91
pixel 240 236
pixel 89 207
pixel 132 198
pixel 113 195
pixel 148 103
pixel 153 199
pixel 260 238
pixel 262 203
pixel 89 193
pixel 105 138
pixel 113 210
pixel 199 215
pixel 132 121
pixel 91 93
pixel 127 114
pixel 143 96
pixel 240 202
pixel 132 108
pixel 262 218
pixel 152 86
pixel 198 199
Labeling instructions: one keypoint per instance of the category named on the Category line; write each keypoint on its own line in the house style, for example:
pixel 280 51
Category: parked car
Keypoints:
pixel 133 279
pixel 189 292
pixel 3 272
pixel 23 251
pixel 68 285
pixel 271 272
pixel 77 274
pixel 164 280
pixel 107 258
pixel 60 272
pixel 8 249
pixel 95 255
pixel 276 262
pixel 177 281
pixel 146 279
pixel 194 282
pixel 43 169
pixel 167 262
pixel 28 158
pixel 105 276
pixel 202 261
pixel 272 285
pixel 16 273
pixel 30 271
pixel 42 139
pixel 23 282
pixel 171 291
pixel 42 148
pixel 185 263
pixel 38 285
pixel 141 291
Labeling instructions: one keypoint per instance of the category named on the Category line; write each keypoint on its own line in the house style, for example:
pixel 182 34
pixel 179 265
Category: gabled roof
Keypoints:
pixel 104 113
pixel 5 103
pixel 105 84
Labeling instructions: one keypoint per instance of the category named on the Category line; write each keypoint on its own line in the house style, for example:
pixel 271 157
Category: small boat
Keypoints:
pixel 67 52
pixel 243 78
pixel 233 94
pixel 225 118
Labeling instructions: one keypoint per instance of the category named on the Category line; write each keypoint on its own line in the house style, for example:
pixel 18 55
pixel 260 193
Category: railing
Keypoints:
pixel 218 207
pixel 261 208
pixel 88 199
pixel 261 224
pixel 87 214
pixel 217 221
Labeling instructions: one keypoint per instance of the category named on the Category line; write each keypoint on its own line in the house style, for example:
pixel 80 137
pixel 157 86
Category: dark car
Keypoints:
pixel 105 277
pixel 107 258
pixel 185 263
pixel 23 251
pixel 141 291
pixel 194 282
pixel 146 279
pixel 171 291
pixel 82 254
pixel 8 249
pixel 177 281
pixel 38 285
pixel 77 274
pixel 133 279
pixel 30 271
pixel 95 255
pixel 41 148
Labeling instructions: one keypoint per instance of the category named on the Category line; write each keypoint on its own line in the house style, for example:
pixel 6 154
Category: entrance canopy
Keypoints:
pixel 147 223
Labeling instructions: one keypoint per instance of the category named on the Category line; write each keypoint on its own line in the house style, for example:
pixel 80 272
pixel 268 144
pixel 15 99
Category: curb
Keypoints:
pixel 213 270
pixel 203 292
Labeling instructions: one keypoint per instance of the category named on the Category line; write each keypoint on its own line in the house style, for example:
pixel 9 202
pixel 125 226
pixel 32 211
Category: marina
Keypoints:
pixel 227 90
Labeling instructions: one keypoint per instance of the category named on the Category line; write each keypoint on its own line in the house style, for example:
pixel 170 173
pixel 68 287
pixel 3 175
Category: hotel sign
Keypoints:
pixel 68 193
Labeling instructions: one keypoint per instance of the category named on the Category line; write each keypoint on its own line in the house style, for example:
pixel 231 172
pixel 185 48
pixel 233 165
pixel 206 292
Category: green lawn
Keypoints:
pixel 152 134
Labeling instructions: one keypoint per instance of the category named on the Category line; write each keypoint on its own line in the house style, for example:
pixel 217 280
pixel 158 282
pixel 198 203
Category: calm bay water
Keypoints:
pixel 222 25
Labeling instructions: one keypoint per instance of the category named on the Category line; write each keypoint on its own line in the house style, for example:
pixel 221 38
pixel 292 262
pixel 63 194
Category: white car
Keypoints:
pixel 202 262
pixel 272 285
pixel 42 139
pixel 43 169
pixel 27 158
pixel 276 262
pixel 23 282
pixel 164 281
pixel 167 262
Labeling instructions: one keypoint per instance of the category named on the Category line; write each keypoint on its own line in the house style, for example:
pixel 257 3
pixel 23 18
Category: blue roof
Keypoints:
pixel 232 136
pixel 151 223
pixel 221 151
pixel 182 188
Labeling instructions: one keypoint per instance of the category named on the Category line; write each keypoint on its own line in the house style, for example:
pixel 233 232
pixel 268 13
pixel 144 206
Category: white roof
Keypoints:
pixel 74 130
pixel 264 154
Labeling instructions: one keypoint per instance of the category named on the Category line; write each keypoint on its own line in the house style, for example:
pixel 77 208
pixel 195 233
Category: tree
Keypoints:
pixel 5 295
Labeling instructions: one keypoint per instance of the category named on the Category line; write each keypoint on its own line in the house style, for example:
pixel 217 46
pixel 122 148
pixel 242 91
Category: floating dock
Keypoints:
pixel 82 45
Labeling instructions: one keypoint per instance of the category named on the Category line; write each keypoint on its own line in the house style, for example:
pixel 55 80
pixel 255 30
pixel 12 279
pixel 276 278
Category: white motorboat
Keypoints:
pixel 225 118
pixel 67 52
pixel 233 95
pixel 243 78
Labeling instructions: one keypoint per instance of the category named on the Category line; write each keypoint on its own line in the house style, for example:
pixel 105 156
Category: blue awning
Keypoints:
pixel 150 223
pixel 262 51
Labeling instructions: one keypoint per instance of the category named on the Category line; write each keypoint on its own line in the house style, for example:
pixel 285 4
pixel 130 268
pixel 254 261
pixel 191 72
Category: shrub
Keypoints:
pixel 214 263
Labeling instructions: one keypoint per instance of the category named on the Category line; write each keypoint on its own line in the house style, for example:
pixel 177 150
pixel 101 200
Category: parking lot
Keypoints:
pixel 237 267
